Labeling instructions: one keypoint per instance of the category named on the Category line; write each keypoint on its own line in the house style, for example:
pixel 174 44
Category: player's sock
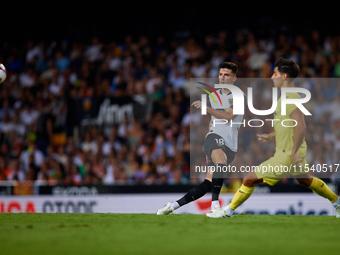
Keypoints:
pixel 175 205
pixel 217 184
pixel 320 187
pixel 240 196
pixel 215 203
pixel 195 193
pixel 336 203
pixel 229 210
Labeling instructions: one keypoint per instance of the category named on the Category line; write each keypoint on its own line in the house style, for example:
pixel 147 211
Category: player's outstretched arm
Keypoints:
pixel 265 138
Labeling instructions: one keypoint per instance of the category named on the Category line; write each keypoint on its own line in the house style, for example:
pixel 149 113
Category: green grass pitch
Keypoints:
pixel 171 234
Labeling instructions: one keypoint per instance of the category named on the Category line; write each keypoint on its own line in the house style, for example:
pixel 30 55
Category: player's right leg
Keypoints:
pixel 193 194
pixel 319 187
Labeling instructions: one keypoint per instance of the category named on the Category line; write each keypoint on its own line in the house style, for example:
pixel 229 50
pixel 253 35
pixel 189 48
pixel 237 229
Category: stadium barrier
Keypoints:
pixel 8 188
pixel 274 204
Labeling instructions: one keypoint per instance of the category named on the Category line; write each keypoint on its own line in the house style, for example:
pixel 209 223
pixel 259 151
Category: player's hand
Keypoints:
pixel 264 138
pixel 197 104
pixel 297 159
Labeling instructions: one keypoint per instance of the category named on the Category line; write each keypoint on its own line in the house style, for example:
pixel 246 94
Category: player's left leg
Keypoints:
pixel 220 160
pixel 320 187
pixel 243 193
pixel 247 188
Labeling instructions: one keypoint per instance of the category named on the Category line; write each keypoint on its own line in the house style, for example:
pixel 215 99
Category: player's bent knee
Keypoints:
pixel 220 161
pixel 218 157
pixel 251 180
pixel 306 182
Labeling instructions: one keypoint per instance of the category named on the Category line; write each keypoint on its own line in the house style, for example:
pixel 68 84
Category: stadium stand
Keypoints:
pixel 50 132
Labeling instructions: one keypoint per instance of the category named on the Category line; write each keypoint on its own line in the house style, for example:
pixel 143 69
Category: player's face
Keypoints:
pixel 226 76
pixel 277 78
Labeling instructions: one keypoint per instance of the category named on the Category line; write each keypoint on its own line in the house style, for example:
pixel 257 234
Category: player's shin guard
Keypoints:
pixel 195 193
pixel 240 196
pixel 320 187
pixel 217 184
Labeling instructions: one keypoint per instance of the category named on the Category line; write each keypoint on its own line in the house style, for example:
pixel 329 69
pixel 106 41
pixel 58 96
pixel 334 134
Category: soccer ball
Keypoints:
pixel 3 73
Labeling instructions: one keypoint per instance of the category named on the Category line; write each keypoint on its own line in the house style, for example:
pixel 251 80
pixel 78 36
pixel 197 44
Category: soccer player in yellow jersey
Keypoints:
pixel 291 149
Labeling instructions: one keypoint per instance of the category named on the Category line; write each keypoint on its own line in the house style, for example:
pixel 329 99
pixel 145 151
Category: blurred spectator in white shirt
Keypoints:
pixel 28 115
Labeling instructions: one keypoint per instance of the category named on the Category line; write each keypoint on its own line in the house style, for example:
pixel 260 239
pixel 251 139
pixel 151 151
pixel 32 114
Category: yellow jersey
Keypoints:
pixel 284 128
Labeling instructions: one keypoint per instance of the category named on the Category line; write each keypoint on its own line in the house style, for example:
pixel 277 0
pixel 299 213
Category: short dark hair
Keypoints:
pixel 228 65
pixel 288 66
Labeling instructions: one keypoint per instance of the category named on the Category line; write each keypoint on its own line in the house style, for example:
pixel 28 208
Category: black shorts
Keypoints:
pixel 213 142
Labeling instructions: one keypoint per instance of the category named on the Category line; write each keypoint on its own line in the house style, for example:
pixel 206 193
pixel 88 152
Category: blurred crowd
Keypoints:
pixel 44 76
